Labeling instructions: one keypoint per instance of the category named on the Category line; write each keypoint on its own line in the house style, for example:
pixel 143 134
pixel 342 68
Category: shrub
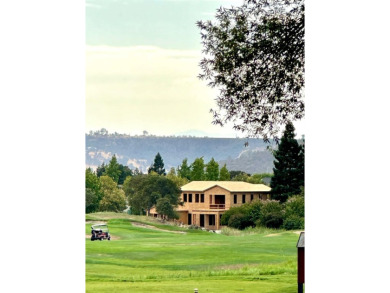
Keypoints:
pixel 295 206
pixel 294 222
pixel 294 213
pixel 239 221
pixel 272 214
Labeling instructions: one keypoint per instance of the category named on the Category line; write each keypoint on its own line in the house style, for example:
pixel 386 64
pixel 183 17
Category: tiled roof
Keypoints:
pixel 232 186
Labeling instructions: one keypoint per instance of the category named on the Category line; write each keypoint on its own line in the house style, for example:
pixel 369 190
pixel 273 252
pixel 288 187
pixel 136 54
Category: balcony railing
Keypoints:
pixel 217 206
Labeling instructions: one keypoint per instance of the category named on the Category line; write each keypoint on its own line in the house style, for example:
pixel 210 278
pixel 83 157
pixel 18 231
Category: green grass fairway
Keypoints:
pixel 140 259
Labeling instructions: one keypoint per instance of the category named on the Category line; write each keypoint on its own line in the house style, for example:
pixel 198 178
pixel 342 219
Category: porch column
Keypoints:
pixel 217 220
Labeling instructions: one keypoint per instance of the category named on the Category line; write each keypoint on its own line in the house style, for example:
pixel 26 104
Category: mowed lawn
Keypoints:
pixel 140 259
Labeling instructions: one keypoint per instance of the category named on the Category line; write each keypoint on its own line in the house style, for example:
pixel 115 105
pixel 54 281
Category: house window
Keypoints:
pixel 190 197
pixel 212 220
pixel 243 198
pixel 251 197
pixel 185 197
pixel 235 198
pixel 197 197
pixel 202 197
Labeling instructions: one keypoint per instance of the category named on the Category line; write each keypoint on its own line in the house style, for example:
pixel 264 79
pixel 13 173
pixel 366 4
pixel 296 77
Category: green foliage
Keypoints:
pixel 125 172
pixel 212 170
pixel 158 165
pixel 271 215
pixel 197 170
pixel 179 181
pixel 91 201
pixel 132 188
pixel 289 167
pixel 93 192
pixel 112 169
pixel 92 182
pixel 143 191
pixel 258 178
pixel 294 213
pixel 239 176
pixel 242 216
pixel 165 208
pixel 254 53
pixel 224 174
pixel 239 221
pixel 113 198
pixel 295 206
pixel 101 170
pixel 184 171
pixel 294 222
pixel 113 201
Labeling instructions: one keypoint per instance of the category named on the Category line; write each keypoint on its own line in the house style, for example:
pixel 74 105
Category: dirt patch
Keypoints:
pixel 136 224
pixel 298 232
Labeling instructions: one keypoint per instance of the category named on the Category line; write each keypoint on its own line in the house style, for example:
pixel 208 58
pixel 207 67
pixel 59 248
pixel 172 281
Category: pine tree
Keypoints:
pixel 113 170
pixel 158 165
pixel 289 167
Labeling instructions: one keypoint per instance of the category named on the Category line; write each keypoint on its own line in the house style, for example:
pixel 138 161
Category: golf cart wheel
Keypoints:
pixel 109 238
pixel 101 238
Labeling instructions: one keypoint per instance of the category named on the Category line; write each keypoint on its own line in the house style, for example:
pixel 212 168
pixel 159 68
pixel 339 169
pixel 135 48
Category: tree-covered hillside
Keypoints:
pixel 139 151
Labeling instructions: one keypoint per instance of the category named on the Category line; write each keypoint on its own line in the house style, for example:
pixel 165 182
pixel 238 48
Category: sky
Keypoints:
pixel 142 63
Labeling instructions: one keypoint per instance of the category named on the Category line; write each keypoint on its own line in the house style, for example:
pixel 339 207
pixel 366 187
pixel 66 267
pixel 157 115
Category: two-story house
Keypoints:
pixel 206 201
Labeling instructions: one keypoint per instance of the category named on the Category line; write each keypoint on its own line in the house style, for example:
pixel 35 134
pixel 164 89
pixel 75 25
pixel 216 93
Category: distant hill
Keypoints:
pixel 139 151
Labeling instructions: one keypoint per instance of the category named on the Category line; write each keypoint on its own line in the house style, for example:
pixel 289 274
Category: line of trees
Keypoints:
pixel 114 186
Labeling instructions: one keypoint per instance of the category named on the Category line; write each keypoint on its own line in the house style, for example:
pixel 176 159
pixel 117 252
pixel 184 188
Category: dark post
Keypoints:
pixel 301 261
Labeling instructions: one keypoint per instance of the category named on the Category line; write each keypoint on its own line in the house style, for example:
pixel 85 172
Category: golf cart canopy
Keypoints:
pixel 99 227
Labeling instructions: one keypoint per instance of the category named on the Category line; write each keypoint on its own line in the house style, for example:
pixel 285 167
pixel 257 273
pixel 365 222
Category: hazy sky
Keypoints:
pixel 142 65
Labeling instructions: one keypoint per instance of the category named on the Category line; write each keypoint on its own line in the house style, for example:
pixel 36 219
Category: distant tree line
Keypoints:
pixel 113 187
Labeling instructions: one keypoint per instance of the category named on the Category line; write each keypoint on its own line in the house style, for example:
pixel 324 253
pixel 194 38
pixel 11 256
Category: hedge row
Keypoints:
pixel 270 213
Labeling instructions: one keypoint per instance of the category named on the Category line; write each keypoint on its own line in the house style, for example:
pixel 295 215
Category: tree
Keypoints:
pixel 133 191
pixel 113 198
pixel 125 171
pixel 113 169
pixel 239 176
pixel 91 201
pixel 224 174
pixel 212 170
pixel 93 192
pixel 294 213
pixel 258 178
pixel 143 191
pixel 197 170
pixel 165 208
pixel 255 55
pixel 158 165
pixel 289 167
pixel 114 201
pixel 179 181
pixel 101 170
pixel 184 171
pixel 271 215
